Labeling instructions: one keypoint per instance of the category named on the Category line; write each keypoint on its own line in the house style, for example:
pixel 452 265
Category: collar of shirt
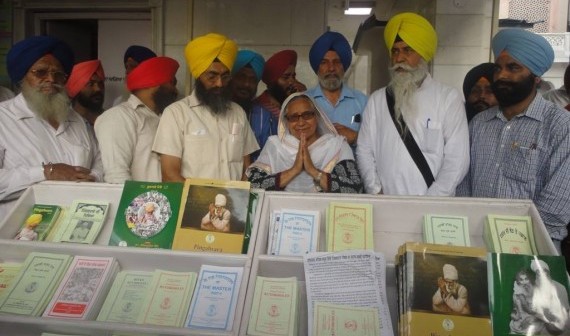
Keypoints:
pixel 193 100
pixel 533 110
pixel 345 92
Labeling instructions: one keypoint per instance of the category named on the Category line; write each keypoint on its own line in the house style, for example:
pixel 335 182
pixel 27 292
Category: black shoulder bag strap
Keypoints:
pixel 410 142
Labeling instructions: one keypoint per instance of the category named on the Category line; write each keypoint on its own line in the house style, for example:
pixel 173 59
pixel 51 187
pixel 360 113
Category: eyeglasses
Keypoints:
pixel 296 117
pixel 213 76
pixel 58 76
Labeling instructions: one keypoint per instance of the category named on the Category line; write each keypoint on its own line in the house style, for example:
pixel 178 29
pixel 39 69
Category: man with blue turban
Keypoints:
pixel 206 135
pixel 520 149
pixel 41 137
pixel 414 138
pixel 330 57
pixel 246 74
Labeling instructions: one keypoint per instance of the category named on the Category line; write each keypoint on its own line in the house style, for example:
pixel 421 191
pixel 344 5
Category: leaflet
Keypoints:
pixel 331 319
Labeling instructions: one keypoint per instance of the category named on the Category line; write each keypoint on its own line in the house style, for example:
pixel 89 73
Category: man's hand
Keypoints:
pixel 350 134
pixel 65 172
pixel 441 285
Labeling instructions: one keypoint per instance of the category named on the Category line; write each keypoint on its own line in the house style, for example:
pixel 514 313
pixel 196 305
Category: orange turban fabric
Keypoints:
pixel 81 75
pixel 203 50
pixel 277 64
pixel 152 72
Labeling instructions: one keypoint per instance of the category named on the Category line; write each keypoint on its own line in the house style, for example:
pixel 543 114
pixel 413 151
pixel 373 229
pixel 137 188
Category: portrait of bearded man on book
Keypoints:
pixel 451 296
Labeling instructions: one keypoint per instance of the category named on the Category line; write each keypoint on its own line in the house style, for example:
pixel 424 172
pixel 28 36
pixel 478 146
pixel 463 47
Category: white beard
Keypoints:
pixel 55 106
pixel 404 85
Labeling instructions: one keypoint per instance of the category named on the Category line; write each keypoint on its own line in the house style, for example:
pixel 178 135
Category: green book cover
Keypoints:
pixel 85 220
pixel 35 284
pixel 528 294
pixel 349 227
pixel 251 208
pixel 8 271
pixel 126 296
pixel 510 234
pixel 147 214
pixel 274 307
pixel 39 222
pixel 446 230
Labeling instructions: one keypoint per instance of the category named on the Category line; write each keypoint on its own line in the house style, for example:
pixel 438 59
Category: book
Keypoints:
pixel 349 227
pixel 509 234
pixel 214 301
pixel 8 271
pixel 249 223
pixel 126 297
pixel 168 297
pixel 447 230
pixel 334 319
pixel 147 214
pixel 528 294
pixel 56 231
pixel 30 291
pixel 83 288
pixel 213 216
pixel 274 310
pixel 297 232
pixel 84 221
pixel 444 290
pixel 39 222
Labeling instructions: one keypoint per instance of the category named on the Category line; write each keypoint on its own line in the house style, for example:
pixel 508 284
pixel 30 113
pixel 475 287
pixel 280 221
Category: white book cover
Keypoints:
pixel 83 288
pixel 215 297
pixel 298 232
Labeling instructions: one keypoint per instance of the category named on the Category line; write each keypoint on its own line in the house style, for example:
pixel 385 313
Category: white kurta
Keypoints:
pixel 27 141
pixel 126 133
pixel 440 131
pixel 210 146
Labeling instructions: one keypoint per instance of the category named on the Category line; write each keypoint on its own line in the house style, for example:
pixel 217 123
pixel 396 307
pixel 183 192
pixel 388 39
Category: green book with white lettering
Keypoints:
pixel 446 230
pixel 509 234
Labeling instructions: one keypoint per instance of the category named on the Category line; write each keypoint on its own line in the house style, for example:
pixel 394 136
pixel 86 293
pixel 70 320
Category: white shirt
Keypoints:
pixel 27 141
pixel 126 133
pixel 440 130
pixel 209 145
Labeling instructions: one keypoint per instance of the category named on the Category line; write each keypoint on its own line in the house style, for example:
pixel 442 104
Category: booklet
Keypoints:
pixel 84 221
pixel 333 319
pixel 39 223
pixel 8 271
pixel 510 234
pixel 297 232
pixel 349 227
pixel 446 230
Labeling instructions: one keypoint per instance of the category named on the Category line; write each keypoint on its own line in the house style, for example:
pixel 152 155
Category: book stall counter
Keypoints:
pixel 395 220
pixel 129 258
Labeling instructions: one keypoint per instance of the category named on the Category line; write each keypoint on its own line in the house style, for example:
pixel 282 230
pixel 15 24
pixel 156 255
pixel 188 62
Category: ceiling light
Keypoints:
pixel 356 7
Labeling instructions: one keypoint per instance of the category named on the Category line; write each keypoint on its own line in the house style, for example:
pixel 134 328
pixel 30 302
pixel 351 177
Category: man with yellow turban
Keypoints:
pixel 520 149
pixel 414 138
pixel 86 88
pixel 206 135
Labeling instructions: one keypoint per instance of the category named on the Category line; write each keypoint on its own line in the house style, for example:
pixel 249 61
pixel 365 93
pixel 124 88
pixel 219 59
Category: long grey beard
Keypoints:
pixel 404 85
pixel 55 106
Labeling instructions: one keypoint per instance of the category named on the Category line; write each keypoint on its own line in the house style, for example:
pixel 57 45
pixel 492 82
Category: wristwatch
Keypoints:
pixel 317 181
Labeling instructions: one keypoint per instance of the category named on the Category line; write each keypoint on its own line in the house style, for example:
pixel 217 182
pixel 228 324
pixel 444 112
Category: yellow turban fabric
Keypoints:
pixel 203 50
pixel 413 29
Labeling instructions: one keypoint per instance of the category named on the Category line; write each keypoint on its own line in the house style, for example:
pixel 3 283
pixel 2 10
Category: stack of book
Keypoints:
pixel 442 290
pixel 509 234
pixel 349 227
pixel 446 230
pixel 293 232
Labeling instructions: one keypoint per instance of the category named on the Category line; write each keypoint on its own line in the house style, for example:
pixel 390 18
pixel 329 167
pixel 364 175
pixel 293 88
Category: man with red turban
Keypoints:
pixel 126 131
pixel 86 88
pixel 206 135
pixel 41 137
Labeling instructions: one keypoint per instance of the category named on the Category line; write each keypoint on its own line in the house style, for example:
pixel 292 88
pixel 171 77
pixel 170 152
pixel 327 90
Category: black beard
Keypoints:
pixel 217 99
pixel 511 93
pixel 278 93
pixel 93 106
pixel 163 97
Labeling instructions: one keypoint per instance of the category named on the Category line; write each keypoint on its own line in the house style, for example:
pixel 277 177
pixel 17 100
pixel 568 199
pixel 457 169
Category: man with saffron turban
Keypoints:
pixel 414 138
pixel 206 135
pixel 86 88
pixel 41 137
pixel 520 149
pixel 246 74
pixel 330 57
pixel 477 89
pixel 126 132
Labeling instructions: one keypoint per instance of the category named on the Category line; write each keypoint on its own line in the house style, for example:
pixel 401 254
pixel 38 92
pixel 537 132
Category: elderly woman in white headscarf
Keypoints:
pixel 307 155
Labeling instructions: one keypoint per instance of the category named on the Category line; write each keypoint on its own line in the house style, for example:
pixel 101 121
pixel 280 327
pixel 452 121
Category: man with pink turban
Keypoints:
pixel 86 88
pixel 126 131
pixel 414 138
pixel 206 135
pixel 41 137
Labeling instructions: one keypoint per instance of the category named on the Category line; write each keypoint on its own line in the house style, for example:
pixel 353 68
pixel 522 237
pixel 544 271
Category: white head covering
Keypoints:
pixel 220 200
pixel 539 265
pixel 280 150
pixel 450 272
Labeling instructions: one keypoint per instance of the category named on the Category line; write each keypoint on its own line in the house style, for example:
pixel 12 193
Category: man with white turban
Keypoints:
pixel 206 135
pixel 450 297
pixel 520 149
pixel 330 56
pixel 218 217
pixel 414 138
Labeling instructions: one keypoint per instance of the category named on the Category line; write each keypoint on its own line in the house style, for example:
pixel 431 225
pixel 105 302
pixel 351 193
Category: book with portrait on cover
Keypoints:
pixel 84 221
pixel 147 214
pixel 39 223
pixel 212 217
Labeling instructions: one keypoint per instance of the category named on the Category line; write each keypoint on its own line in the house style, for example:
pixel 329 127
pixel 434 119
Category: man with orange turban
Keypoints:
pixel 86 88
pixel 206 135
pixel 414 138
pixel 126 131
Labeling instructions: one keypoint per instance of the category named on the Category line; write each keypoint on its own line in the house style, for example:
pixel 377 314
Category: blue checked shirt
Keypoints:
pixel 527 157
